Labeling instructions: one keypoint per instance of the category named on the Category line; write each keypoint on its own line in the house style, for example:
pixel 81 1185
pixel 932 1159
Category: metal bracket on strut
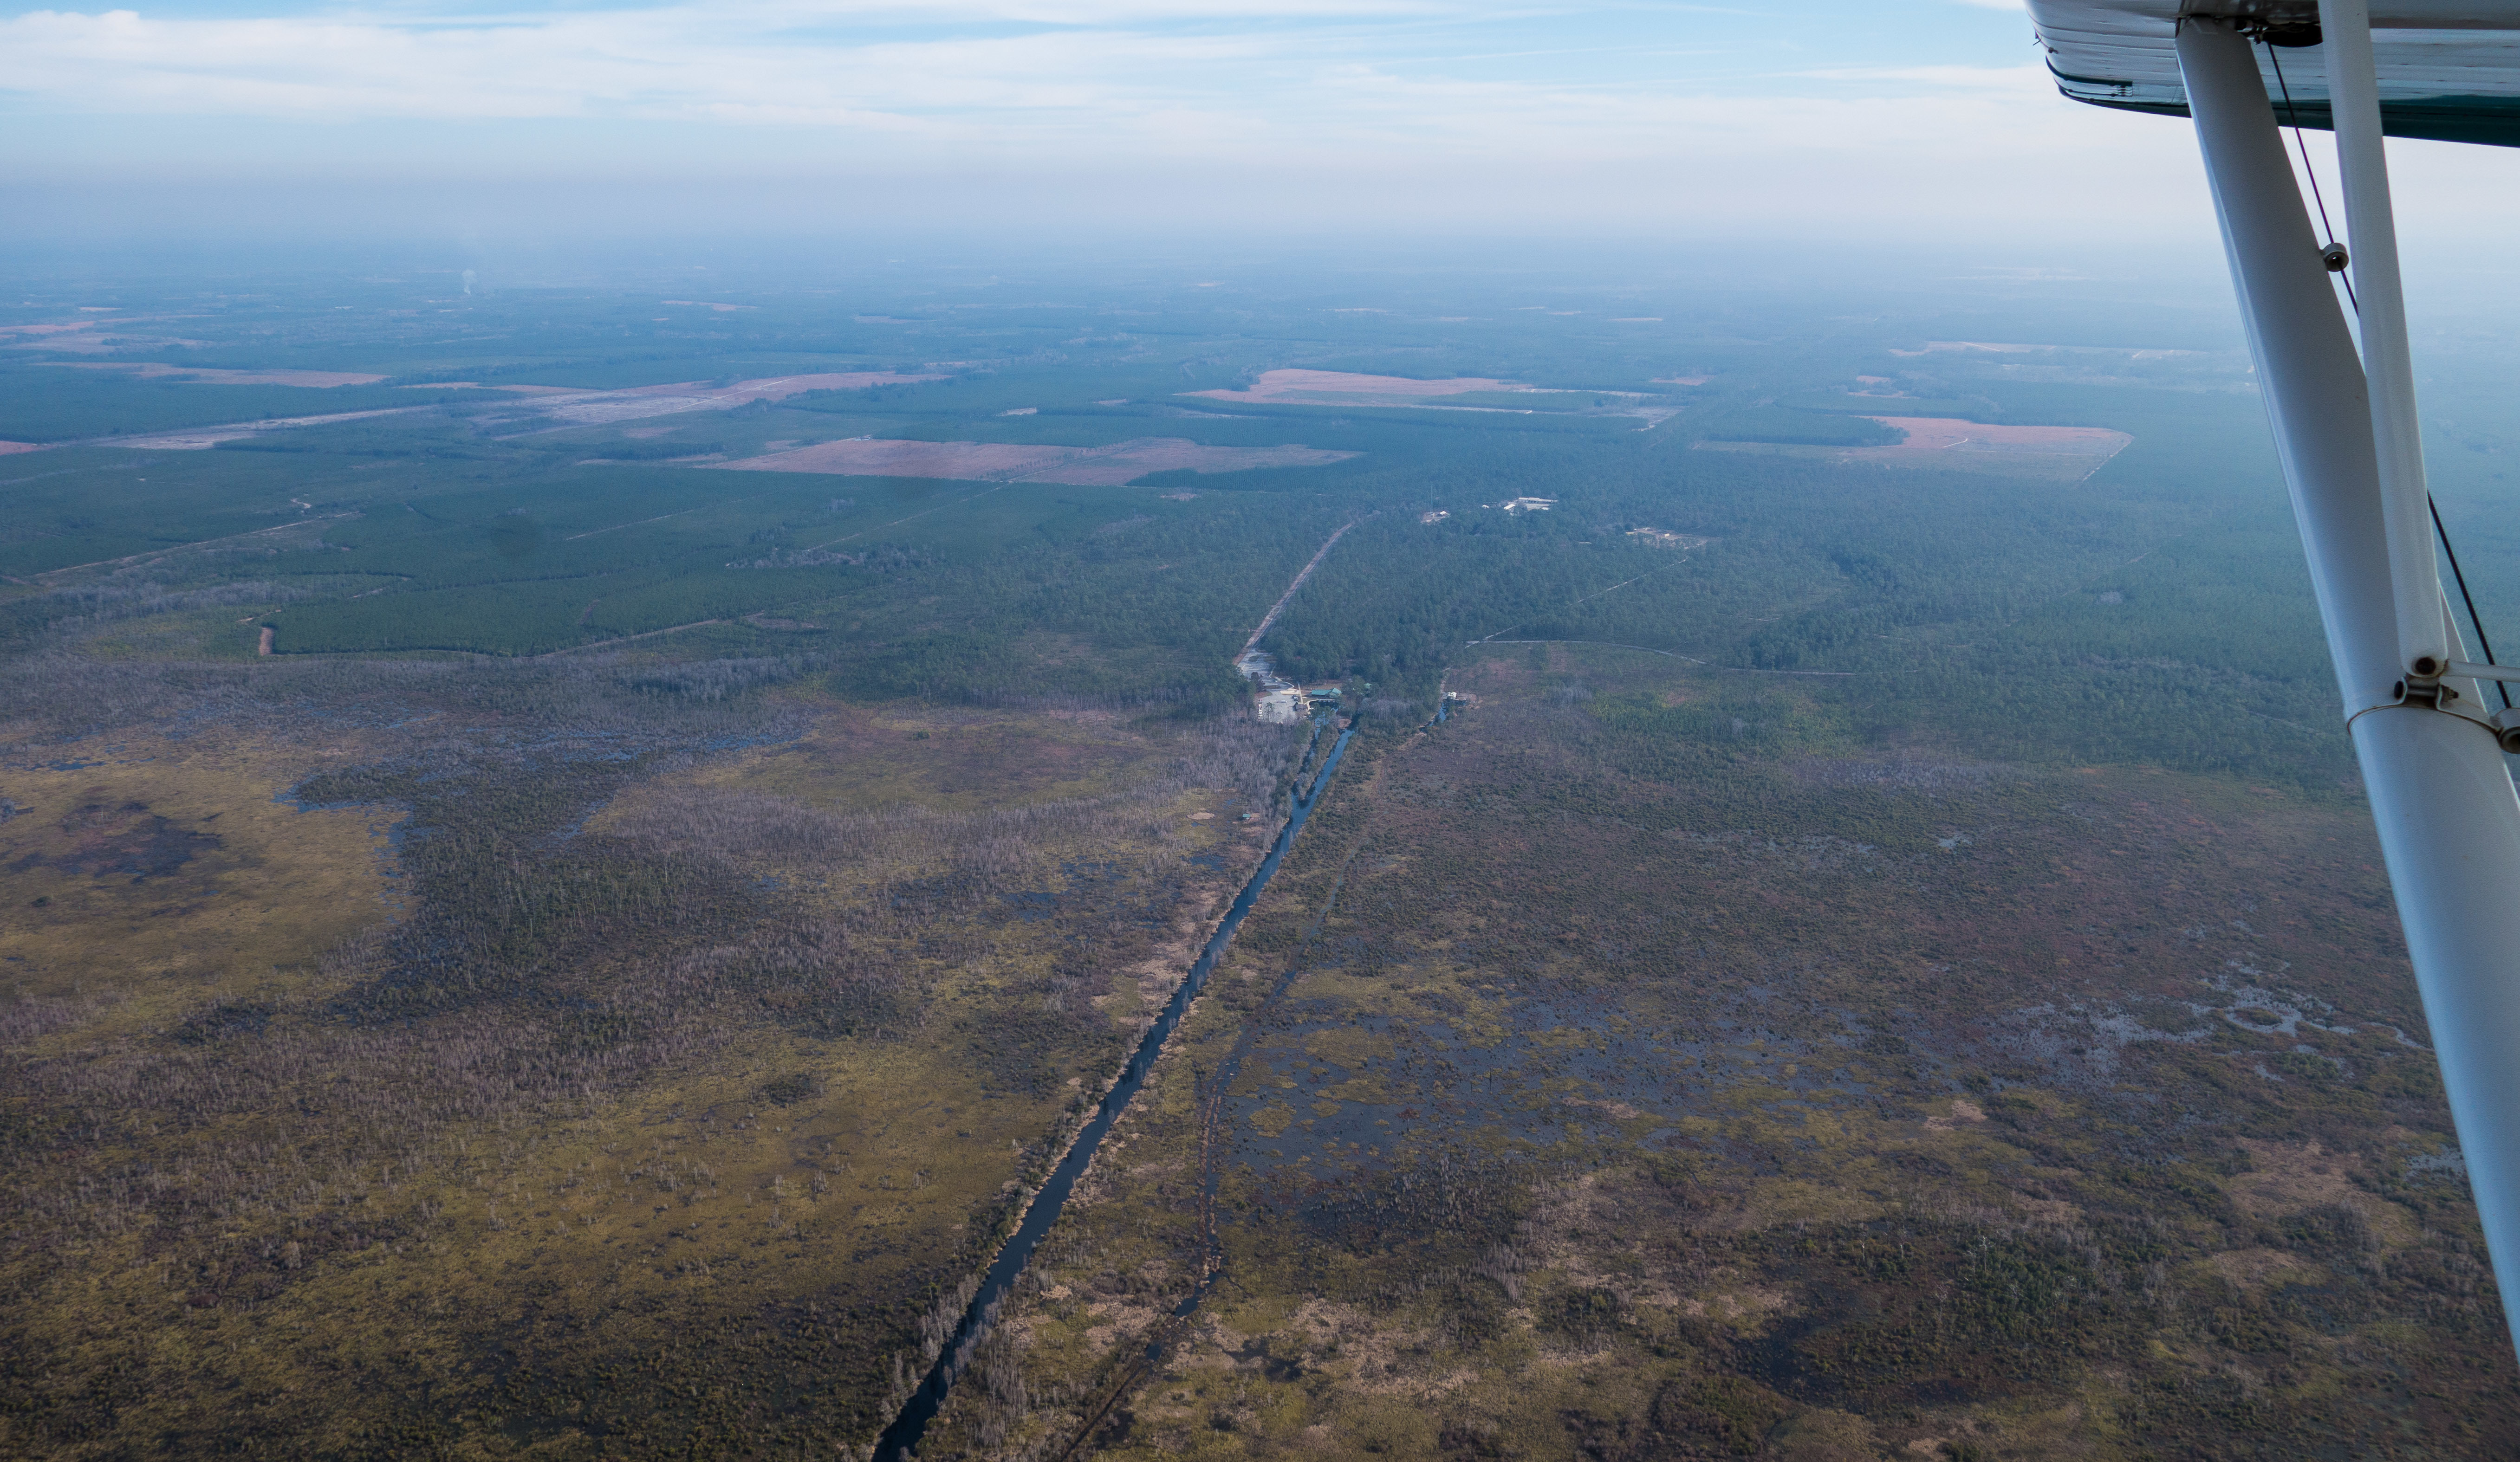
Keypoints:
pixel 2422 684
pixel 2429 692
pixel 2505 723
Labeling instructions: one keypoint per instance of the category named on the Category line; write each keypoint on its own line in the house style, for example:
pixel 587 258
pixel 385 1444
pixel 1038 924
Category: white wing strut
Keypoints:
pixel 2354 93
pixel 2447 815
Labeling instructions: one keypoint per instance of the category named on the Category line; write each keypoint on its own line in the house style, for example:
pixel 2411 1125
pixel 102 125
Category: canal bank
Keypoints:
pixel 902 1438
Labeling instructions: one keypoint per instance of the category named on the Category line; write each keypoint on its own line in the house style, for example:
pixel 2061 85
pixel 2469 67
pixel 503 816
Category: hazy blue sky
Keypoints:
pixel 1822 121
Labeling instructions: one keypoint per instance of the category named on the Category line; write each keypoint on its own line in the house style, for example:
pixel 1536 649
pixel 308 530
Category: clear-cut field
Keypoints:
pixel 1343 388
pixel 2055 454
pixel 596 408
pixel 211 375
pixel 996 462
pixel 1947 434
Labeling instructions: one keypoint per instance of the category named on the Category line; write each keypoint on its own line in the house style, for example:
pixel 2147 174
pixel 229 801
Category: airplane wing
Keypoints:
pixel 2448 70
pixel 2341 401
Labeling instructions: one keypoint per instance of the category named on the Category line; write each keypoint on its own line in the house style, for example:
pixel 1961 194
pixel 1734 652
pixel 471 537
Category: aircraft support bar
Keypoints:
pixel 2354 91
pixel 2447 815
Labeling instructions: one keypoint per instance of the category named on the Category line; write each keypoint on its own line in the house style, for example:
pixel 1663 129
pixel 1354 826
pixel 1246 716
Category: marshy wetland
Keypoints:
pixel 519 942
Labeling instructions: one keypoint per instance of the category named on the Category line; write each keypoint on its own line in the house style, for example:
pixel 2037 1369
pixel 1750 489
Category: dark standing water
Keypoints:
pixel 903 1436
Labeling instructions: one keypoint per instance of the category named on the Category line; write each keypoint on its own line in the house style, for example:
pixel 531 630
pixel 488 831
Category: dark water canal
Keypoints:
pixel 903 1436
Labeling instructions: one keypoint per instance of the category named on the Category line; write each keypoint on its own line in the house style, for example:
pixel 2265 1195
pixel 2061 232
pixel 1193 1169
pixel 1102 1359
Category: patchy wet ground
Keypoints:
pixel 1823 1109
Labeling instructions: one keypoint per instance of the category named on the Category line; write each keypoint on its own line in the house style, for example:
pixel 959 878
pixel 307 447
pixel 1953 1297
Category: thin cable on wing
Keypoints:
pixel 2483 647
pixel 2294 117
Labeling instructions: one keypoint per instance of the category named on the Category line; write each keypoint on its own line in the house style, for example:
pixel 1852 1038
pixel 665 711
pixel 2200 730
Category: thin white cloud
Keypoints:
pixel 1325 108
pixel 1133 85
pixel 632 62
pixel 1089 12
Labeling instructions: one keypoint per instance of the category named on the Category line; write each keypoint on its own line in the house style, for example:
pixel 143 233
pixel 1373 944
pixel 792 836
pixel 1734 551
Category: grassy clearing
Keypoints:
pixel 139 875
pixel 685 1123
pixel 868 759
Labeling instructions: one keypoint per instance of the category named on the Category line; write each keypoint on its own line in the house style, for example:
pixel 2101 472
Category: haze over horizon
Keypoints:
pixel 1202 730
pixel 1927 126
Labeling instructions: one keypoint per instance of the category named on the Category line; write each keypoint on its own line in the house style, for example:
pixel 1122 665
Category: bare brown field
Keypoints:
pixel 203 438
pixel 97 344
pixel 973 462
pixel 780 387
pixel 2053 454
pixel 994 461
pixel 1947 434
pixel 96 336
pixel 1992 347
pixel 596 408
pixel 208 375
pixel 475 385
pixel 1292 387
pixel 1342 388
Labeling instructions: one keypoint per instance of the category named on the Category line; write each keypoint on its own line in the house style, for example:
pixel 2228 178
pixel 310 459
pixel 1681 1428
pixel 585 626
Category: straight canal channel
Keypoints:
pixel 901 1439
